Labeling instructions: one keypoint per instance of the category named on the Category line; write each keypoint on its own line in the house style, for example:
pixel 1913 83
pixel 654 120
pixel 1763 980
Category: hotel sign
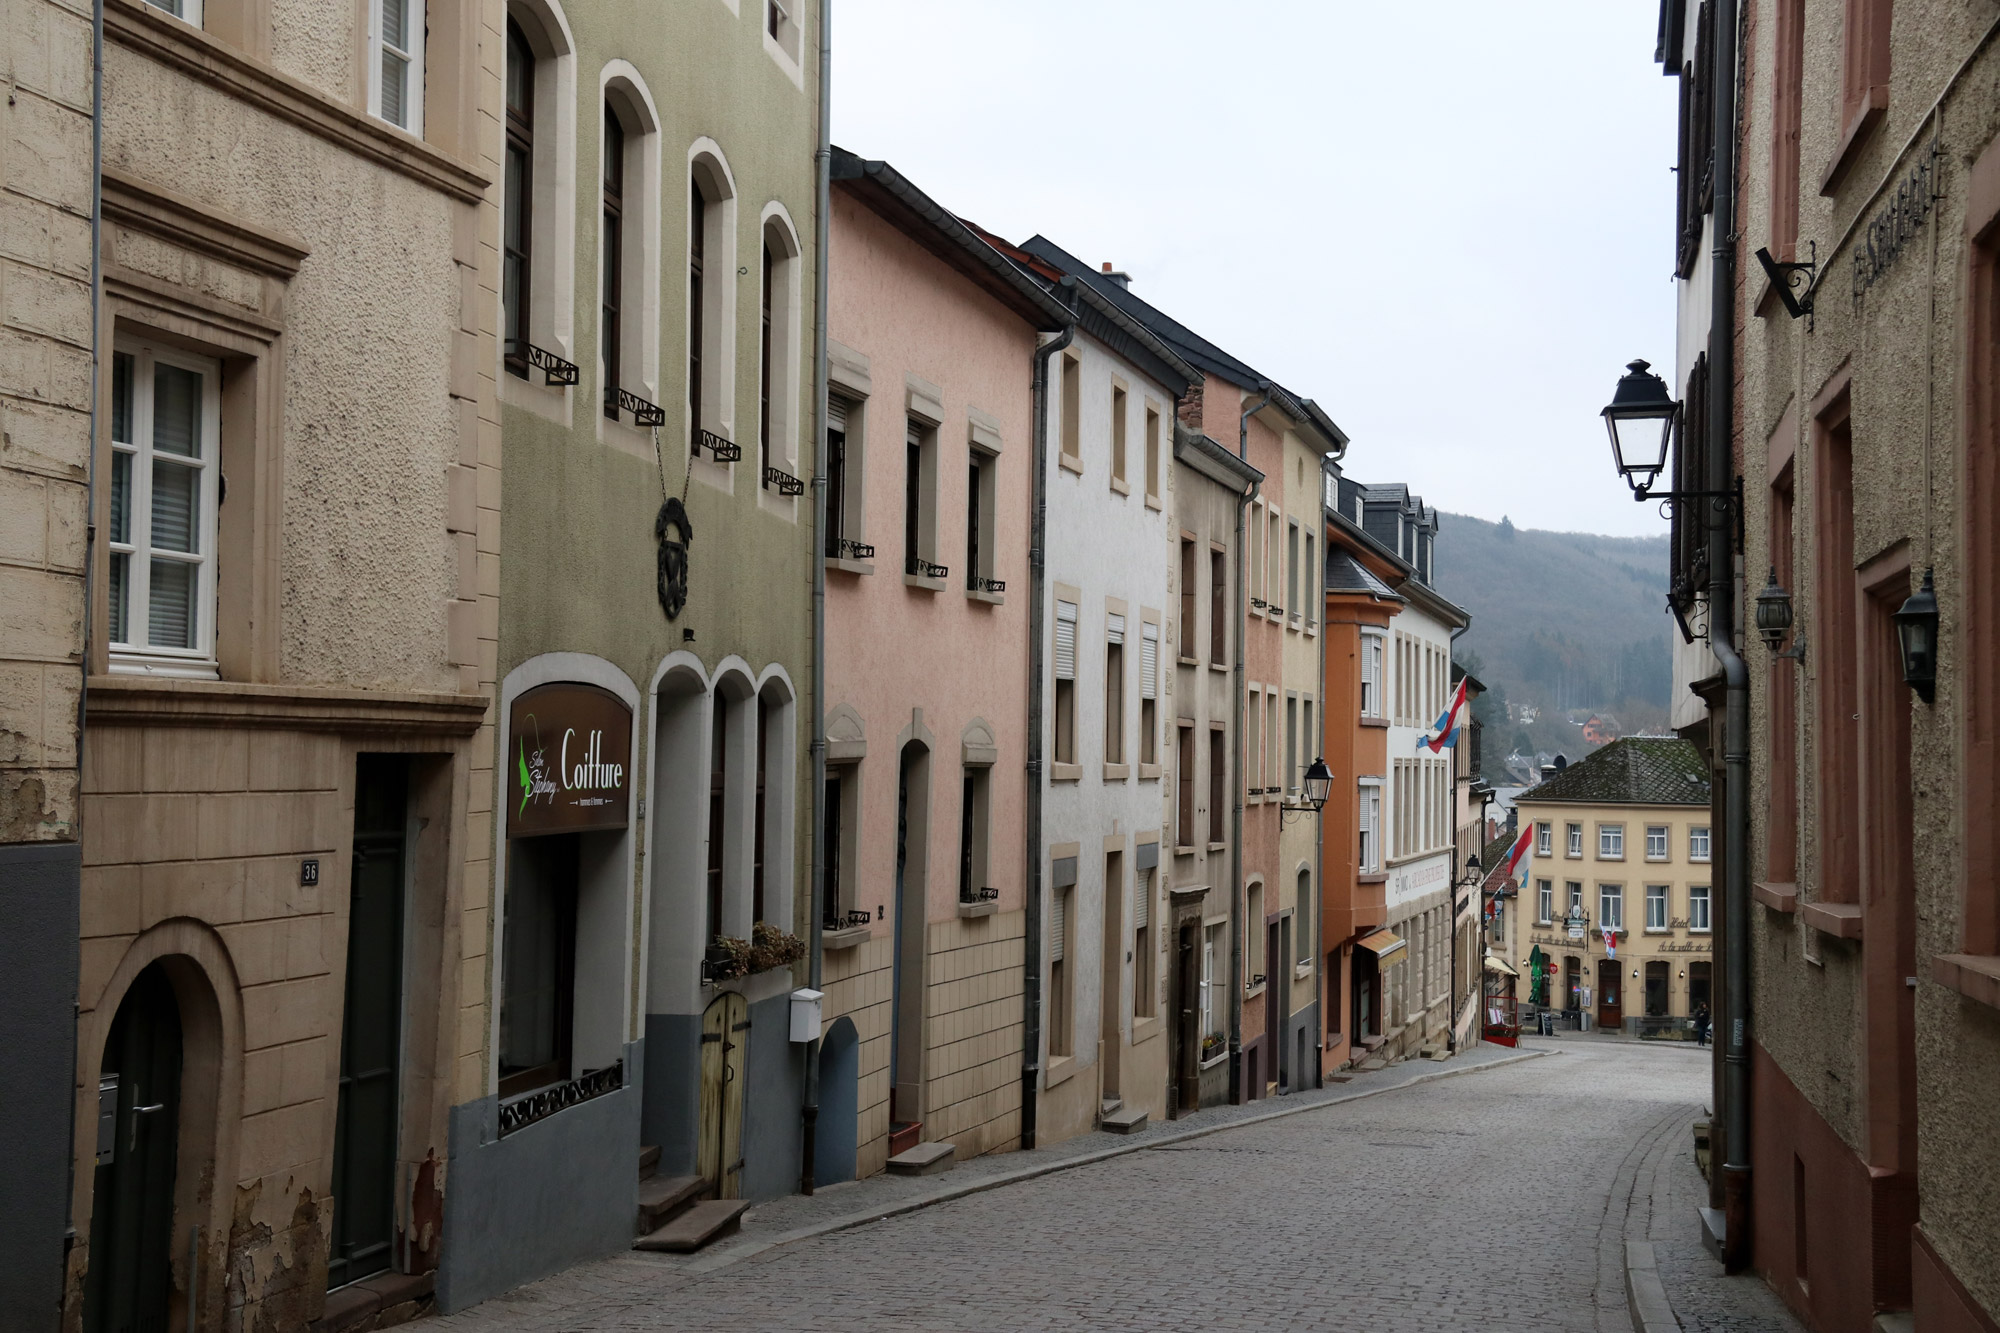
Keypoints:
pixel 571 766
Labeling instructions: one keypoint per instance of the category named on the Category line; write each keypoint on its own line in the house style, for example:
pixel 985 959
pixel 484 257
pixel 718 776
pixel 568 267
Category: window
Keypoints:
pixel 1072 411
pixel 1218 608
pixel 1370 823
pixel 1271 562
pixel 1544 841
pixel 1152 452
pixel 1274 777
pixel 1211 1032
pixel 1149 693
pixel 837 841
pixel 517 227
pixel 1310 575
pixel 1781 825
pixel 1698 843
pixel 778 359
pixel 1787 91
pixel 165 471
pixel 974 809
pixel 764 369
pixel 1575 895
pixel 190 10
pixel 1255 965
pixel 1610 842
pixel 781 31
pixel 1306 748
pixel 1545 904
pixel 981 471
pixel 1142 944
pixel 396 59
pixel 712 266
pixel 1187 629
pixel 1574 833
pixel 1114 688
pixel 1496 928
pixel 840 530
pixel 1292 569
pixel 1065 678
pixel 1291 782
pixel 1184 776
pixel 1371 674
pixel 1611 907
pixel 1118 481
pixel 1656 842
pixel 539 969
pixel 1656 907
pixel 1218 784
pixel 919 502
pixel 1694 176
pixel 1061 927
pixel 1698 908
pixel 1864 84
pixel 1303 919
pixel 699 297
pixel 611 262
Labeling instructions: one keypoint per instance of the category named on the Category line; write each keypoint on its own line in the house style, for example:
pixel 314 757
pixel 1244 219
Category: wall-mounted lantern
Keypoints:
pixel 1774 619
pixel 1917 628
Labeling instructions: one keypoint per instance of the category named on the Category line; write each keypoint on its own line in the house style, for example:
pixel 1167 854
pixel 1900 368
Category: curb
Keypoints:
pixel 1645 1296
pixel 738 1254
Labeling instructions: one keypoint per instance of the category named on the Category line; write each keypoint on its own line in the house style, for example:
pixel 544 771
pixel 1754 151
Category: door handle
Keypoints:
pixel 137 1111
pixel 148 1110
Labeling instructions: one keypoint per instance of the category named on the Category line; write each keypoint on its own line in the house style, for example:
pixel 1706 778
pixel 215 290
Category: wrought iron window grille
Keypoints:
pixel 1256 981
pixel 839 920
pixel 545 1102
pixel 924 568
pixel 782 481
pixel 719 449
pixel 1257 602
pixel 979 584
pixel 968 894
pixel 643 412
pixel 554 369
pixel 846 548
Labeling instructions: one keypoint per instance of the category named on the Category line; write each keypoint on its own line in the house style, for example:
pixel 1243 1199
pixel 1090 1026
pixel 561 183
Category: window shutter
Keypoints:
pixel 1142 899
pixel 1065 640
pixel 836 414
pixel 1114 630
pixel 1059 928
pixel 1149 661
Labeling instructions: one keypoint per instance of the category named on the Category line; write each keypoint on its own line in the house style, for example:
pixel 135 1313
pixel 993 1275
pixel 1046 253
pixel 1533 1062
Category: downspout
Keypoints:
pixel 1451 982
pixel 1238 900
pixel 1038 527
pixel 1721 639
pixel 1318 577
pixel 816 908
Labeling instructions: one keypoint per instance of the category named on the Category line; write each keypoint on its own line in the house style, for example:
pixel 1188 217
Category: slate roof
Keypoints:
pixel 1346 574
pixel 1637 770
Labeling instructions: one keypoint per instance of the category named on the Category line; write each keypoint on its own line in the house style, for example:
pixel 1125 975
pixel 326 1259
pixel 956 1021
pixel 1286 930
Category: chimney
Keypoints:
pixel 1123 279
pixel 1548 771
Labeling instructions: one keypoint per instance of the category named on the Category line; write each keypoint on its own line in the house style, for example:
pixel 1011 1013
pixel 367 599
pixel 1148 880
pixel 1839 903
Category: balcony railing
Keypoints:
pixel 554 369
pixel 643 412
pixel 783 482
pixel 545 1102
pixel 976 583
pixel 925 569
pixel 719 449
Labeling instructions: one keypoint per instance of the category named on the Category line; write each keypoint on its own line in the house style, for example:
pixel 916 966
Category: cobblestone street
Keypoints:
pixel 1499 1198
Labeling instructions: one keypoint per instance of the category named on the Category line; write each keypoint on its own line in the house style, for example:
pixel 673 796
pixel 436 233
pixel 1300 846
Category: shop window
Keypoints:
pixel 165 490
pixel 1656 988
pixel 538 932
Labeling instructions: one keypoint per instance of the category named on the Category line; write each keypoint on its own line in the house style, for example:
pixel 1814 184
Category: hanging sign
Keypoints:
pixel 571 766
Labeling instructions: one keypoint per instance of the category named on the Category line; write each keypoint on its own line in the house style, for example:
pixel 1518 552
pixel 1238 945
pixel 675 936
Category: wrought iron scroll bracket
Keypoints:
pixel 1796 282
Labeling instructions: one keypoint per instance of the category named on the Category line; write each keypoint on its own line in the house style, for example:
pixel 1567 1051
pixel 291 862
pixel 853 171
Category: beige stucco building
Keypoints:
pixel 1616 919
pixel 286 773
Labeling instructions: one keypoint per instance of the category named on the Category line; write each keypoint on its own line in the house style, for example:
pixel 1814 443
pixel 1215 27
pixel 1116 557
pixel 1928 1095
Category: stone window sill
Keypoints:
pixel 1218 667
pixel 1187 661
pixel 1301 971
pixel 845 566
pixel 1149 772
pixel 1119 485
pixel 1840 920
pixel 1777 897
pixel 1215 1060
pixel 1252 992
pixel 990 598
pixel 1217 846
pixel 986 907
pixel 1975 976
pixel 1073 464
pixel 1059 772
pixel 1152 501
pixel 1117 772
pixel 833 941
pixel 1373 877
pixel 1853 137
pixel 924 582
pixel 1145 1029
pixel 1183 849
pixel 1381 722
pixel 1061 1069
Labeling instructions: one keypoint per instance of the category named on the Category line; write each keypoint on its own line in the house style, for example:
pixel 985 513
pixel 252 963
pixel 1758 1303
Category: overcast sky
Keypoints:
pixel 1449 221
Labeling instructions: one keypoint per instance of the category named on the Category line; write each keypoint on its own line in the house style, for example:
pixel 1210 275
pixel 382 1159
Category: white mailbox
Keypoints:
pixel 805 1014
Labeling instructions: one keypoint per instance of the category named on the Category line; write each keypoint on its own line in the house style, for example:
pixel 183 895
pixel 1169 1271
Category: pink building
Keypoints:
pixel 929 463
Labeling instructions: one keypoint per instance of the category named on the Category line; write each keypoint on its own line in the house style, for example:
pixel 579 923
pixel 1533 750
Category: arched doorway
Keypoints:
pixel 129 1284
pixel 836 1130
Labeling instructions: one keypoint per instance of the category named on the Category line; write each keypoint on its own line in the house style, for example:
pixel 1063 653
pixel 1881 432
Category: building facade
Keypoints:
pixel 287 762
pixel 1618 914
pixel 627 985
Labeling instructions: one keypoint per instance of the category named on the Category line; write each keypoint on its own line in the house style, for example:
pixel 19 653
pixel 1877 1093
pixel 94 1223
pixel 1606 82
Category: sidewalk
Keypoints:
pixel 855 1203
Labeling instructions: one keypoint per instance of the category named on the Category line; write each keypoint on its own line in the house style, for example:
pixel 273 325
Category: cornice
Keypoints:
pixel 159 701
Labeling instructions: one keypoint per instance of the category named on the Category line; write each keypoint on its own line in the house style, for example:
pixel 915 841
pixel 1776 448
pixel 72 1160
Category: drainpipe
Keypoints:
pixel 1031 972
pixel 1238 900
pixel 816 910
pixel 1318 577
pixel 1721 639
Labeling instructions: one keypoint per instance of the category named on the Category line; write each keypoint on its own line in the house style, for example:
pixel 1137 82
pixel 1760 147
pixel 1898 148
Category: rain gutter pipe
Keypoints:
pixel 816 908
pixel 1238 900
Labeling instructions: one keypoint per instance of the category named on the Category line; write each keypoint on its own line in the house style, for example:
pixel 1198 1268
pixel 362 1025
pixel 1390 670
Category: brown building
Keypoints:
pixel 1855 398
pixel 286 779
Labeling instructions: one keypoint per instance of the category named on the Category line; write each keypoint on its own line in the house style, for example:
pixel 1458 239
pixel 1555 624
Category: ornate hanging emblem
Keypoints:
pixel 675 534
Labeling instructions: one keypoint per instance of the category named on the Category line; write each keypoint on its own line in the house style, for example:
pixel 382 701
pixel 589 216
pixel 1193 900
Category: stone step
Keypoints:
pixel 1126 1120
pixel 926 1159
pixel 662 1198
pixel 706 1221
pixel 649 1160
pixel 1109 1105
pixel 1369 1066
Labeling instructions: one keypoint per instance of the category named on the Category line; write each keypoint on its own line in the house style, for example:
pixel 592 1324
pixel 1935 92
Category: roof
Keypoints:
pixel 889 193
pixel 1633 771
pixel 1213 461
pixel 1345 574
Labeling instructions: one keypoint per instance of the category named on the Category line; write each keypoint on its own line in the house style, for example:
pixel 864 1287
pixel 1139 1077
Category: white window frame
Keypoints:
pixel 1545 901
pixel 416 15
pixel 1662 896
pixel 1369 822
pixel 1573 840
pixel 1699 893
pixel 1611 842
pixel 1700 847
pixel 144 658
pixel 188 11
pixel 1662 836
pixel 1545 838
pixel 1609 897
pixel 1372 653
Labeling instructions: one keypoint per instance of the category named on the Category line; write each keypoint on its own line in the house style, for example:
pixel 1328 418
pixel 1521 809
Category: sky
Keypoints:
pixel 1449 222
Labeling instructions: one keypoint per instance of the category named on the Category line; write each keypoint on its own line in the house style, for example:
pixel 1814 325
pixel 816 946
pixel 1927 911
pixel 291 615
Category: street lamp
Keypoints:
pixel 1917 628
pixel 1641 420
pixel 1318 782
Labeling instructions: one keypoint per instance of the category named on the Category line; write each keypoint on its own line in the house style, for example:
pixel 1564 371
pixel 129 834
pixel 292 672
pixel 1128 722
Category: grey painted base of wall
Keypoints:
pixel 38 971
pixel 1305 1021
pixel 773 1097
pixel 554 1194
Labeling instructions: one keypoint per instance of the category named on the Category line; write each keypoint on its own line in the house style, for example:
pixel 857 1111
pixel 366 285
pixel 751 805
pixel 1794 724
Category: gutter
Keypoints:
pixel 815 906
pixel 1238 901
pixel 1038 529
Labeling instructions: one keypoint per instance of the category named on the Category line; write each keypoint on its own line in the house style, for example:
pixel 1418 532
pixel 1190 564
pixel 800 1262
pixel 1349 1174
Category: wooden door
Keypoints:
pixel 1187 1022
pixel 1610 1013
pixel 128 1287
pixel 364 1136
pixel 1111 977
pixel 725 1034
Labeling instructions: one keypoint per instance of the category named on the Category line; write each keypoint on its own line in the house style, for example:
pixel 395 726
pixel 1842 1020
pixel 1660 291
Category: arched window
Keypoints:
pixel 628 250
pixel 538 227
pixel 711 260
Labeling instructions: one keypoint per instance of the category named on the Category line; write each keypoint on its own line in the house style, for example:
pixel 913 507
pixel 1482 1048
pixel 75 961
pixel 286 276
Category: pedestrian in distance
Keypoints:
pixel 1701 1025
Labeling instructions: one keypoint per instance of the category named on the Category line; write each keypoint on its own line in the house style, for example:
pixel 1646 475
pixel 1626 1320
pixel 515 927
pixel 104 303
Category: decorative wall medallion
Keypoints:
pixel 673 567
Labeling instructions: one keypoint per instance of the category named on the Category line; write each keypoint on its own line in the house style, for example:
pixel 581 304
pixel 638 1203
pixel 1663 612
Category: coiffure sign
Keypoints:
pixel 571 766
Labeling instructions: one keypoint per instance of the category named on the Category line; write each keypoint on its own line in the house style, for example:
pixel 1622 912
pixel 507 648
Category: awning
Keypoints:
pixel 1499 965
pixel 1383 943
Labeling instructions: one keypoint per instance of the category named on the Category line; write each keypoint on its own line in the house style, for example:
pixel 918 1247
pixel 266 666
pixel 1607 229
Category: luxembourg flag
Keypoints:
pixel 1517 856
pixel 1446 727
